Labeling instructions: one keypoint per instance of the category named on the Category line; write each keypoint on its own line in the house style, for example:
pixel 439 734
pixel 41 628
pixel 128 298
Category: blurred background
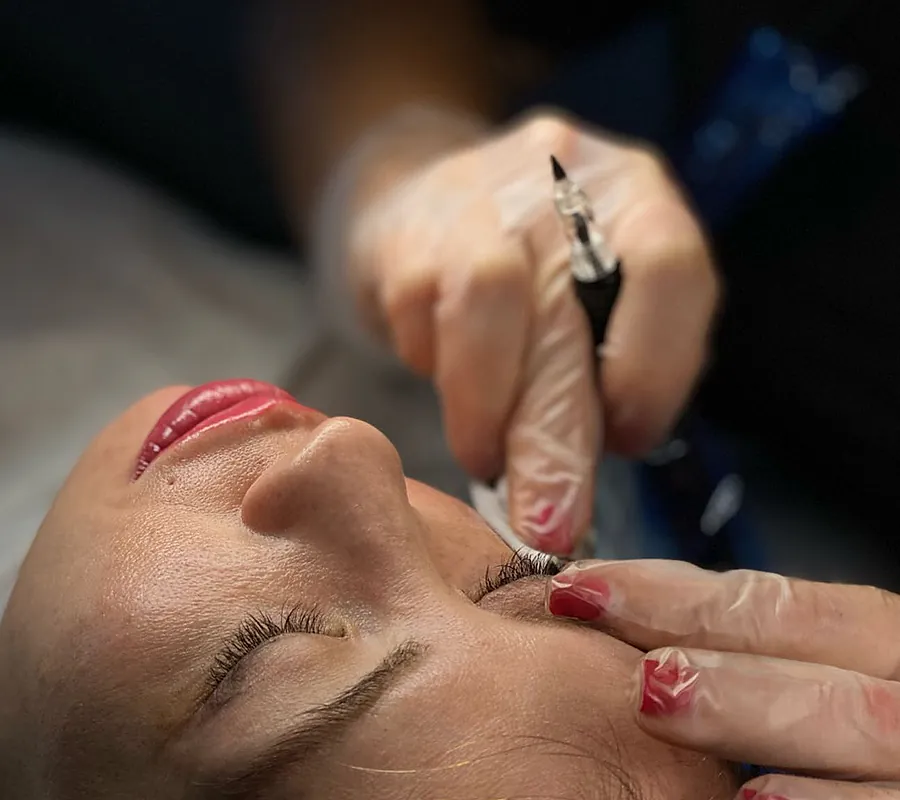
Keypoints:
pixel 145 239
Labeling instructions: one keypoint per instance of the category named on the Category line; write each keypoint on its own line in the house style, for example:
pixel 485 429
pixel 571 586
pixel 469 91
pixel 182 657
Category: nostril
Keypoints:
pixel 278 499
pixel 346 476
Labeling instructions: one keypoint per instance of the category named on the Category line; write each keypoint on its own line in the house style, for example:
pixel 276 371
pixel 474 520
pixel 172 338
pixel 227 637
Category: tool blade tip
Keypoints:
pixel 559 174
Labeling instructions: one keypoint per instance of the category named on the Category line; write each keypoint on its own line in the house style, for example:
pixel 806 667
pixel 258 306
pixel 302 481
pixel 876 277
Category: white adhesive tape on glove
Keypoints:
pixel 491 504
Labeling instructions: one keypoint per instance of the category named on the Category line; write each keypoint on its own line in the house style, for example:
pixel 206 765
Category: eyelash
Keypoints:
pixel 523 564
pixel 257 629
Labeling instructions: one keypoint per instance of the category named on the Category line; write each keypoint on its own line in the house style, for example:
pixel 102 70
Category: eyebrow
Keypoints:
pixel 318 728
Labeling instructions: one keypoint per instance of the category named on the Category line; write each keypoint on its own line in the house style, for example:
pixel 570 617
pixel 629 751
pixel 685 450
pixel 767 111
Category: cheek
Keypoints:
pixel 104 471
pixel 460 544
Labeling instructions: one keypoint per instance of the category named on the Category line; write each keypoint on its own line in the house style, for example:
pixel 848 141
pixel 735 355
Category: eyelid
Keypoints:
pixel 260 628
pixel 520 566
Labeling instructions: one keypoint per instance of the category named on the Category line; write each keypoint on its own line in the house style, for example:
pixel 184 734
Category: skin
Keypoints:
pixel 132 586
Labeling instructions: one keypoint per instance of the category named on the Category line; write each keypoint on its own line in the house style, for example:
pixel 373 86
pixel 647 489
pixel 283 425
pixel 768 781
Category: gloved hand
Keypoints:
pixel 460 261
pixel 757 668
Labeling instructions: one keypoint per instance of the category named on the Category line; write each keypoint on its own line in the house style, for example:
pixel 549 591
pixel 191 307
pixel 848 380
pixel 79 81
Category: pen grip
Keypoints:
pixel 597 298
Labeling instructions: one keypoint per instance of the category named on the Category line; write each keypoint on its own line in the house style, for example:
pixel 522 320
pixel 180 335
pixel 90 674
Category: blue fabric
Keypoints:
pixel 777 94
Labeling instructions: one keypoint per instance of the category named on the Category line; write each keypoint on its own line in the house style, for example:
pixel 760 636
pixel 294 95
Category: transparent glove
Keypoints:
pixel 757 668
pixel 462 264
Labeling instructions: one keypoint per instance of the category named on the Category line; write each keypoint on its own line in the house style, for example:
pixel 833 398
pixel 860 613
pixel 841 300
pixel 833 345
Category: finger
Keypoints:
pixel 481 324
pixel 554 436
pixel 658 338
pixel 400 248
pixel 658 603
pixel 776 713
pixel 787 787
pixel 403 271
pixel 409 308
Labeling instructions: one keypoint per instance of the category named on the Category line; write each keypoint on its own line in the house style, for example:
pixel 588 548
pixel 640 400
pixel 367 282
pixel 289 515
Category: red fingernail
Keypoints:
pixel 543 516
pixel 585 600
pixel 551 539
pixel 748 794
pixel 558 541
pixel 667 688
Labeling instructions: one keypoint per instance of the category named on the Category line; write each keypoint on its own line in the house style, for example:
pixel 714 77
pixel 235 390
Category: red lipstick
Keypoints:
pixel 205 407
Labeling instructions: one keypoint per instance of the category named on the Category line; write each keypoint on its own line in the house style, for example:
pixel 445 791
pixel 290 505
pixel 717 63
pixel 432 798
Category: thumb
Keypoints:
pixel 554 435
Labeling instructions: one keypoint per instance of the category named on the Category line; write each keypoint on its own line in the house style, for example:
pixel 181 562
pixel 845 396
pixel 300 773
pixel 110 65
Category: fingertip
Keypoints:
pixel 586 601
pixel 480 456
pixel 545 526
pixel 640 414
pixel 551 516
pixel 409 317
pixel 473 434
pixel 667 684
pixel 633 439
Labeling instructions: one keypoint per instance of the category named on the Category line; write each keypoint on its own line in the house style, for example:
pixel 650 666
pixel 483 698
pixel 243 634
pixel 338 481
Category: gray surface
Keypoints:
pixel 109 292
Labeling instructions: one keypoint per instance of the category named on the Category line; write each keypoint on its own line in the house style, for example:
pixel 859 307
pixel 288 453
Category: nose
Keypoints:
pixel 340 496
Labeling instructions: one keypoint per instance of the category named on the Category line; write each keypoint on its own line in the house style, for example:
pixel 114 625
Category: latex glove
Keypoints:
pixel 757 668
pixel 463 264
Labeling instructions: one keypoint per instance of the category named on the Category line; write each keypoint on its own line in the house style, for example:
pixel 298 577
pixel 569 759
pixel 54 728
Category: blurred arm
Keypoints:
pixel 331 71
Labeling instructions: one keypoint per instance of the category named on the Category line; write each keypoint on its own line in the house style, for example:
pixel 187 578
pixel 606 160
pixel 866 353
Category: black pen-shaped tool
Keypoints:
pixel 682 478
pixel 597 291
pixel 596 272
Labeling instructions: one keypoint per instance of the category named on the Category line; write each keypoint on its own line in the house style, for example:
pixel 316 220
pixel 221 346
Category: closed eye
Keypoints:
pixel 521 565
pixel 257 629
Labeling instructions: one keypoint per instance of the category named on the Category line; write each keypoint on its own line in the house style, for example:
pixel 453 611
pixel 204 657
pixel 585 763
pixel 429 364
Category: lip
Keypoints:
pixel 208 406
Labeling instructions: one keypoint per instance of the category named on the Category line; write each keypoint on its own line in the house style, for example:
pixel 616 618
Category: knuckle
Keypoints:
pixel 647 159
pixel 549 126
pixel 401 296
pixel 671 247
pixel 504 273
pixel 500 275
pixel 665 258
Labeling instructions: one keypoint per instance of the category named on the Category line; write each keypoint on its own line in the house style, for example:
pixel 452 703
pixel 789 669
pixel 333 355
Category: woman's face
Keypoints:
pixel 270 609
